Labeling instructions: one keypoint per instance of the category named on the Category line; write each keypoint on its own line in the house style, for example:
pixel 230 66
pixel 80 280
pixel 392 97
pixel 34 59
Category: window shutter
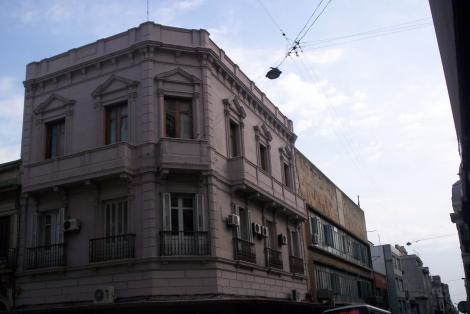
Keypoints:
pixel 200 213
pixel 34 230
pixel 250 231
pixel 289 240
pixel 166 201
pixel 59 225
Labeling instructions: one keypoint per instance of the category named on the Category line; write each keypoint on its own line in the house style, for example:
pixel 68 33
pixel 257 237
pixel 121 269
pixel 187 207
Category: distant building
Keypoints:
pixel 338 253
pixel 442 304
pixel 418 284
pixel 380 298
pixel 9 214
pixel 386 261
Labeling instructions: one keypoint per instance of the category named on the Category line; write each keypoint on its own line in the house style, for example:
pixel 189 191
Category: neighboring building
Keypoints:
pixel 386 260
pixel 418 284
pixel 338 262
pixel 9 204
pixel 155 170
pixel 451 22
pixel 380 298
pixel 442 304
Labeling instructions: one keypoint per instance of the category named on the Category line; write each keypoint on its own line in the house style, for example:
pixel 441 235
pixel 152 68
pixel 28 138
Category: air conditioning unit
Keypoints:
pixel 71 224
pixel 264 231
pixel 282 238
pixel 256 228
pixel 316 238
pixel 233 220
pixel 104 295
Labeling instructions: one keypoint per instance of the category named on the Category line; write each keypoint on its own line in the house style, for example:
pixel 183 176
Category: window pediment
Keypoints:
pixel 264 132
pixel 115 83
pixel 285 151
pixel 54 103
pixel 235 106
pixel 178 75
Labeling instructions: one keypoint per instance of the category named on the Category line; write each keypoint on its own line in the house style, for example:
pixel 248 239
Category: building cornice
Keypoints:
pixel 148 50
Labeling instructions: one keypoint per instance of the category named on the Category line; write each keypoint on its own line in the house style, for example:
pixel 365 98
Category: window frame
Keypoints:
pixel 234 114
pixel 60 143
pixel 109 108
pixel 178 131
pixel 234 139
pixel 263 137
pixel 263 157
pixel 123 224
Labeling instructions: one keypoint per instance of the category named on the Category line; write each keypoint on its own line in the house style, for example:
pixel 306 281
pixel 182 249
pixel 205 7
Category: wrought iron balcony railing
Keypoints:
pixel 296 265
pixel 8 259
pixel 274 258
pixel 45 256
pixel 112 248
pixel 173 243
pixel 245 250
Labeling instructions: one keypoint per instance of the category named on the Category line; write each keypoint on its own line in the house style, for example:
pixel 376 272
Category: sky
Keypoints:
pixel 373 114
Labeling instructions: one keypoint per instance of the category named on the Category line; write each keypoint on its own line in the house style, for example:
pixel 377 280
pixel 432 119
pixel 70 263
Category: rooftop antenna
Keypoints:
pixel 147 10
pixel 358 201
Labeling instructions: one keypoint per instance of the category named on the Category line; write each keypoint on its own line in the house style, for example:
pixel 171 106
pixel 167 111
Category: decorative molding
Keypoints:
pixel 67 105
pixel 264 132
pixel 178 75
pixel 235 106
pixel 102 89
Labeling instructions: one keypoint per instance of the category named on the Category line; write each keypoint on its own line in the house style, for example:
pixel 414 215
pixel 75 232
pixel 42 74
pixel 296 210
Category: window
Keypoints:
pixel 115 218
pixel 295 243
pixel 328 235
pixel 286 179
pixel 116 123
pixel 263 157
pixel 182 213
pixel 234 139
pixel 50 228
pixel 55 139
pixel 4 236
pixel 272 239
pixel 178 118
pixel 245 227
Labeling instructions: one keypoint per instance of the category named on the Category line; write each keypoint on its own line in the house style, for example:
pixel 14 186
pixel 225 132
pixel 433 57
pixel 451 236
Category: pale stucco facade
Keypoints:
pixel 153 177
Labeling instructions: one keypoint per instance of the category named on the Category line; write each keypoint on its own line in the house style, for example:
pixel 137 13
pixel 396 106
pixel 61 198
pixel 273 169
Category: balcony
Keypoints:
pixel 245 250
pixel 112 248
pixel 8 259
pixel 177 153
pixel 103 161
pixel 296 265
pixel 274 259
pixel 183 243
pixel 45 256
pixel 241 171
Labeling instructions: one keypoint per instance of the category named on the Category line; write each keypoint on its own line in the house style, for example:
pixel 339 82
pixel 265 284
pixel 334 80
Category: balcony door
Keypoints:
pixel 182 224
pixel 116 242
pixel 184 229
pixel 4 237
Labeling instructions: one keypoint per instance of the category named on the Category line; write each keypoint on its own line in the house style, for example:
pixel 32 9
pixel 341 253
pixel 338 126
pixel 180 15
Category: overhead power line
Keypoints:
pixel 308 20
pixel 341 40
pixel 318 16
pixel 272 19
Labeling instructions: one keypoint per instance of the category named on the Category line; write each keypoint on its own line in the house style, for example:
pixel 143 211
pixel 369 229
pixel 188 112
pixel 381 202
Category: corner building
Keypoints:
pixel 153 168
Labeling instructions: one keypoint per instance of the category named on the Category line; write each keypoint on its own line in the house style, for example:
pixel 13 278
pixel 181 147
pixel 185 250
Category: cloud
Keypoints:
pixel 167 15
pixel 328 56
pixel 9 153
pixel 11 116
